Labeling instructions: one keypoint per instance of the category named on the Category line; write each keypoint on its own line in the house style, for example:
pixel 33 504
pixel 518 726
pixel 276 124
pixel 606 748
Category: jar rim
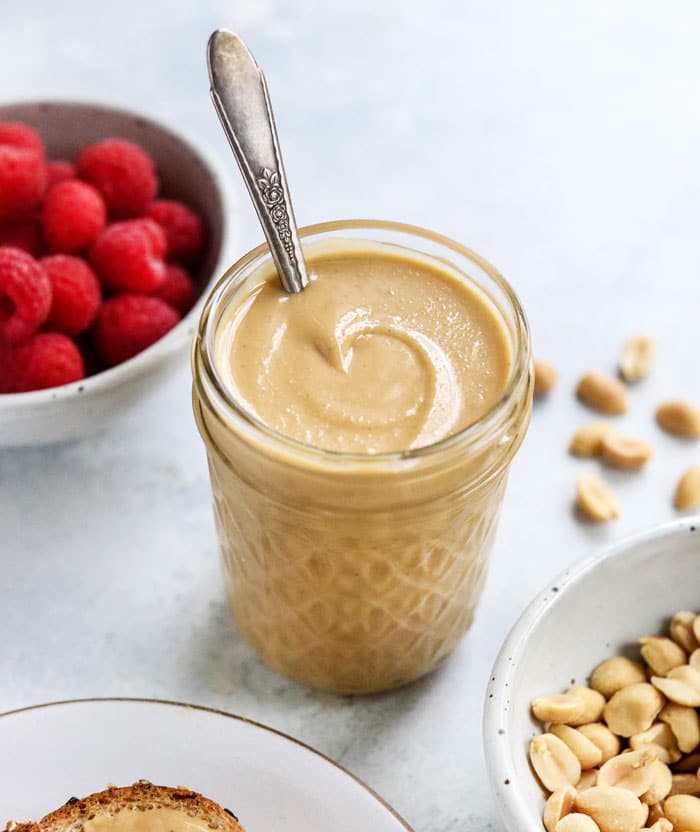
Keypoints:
pixel 202 354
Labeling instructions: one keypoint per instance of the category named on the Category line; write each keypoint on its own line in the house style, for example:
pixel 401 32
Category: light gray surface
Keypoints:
pixel 561 140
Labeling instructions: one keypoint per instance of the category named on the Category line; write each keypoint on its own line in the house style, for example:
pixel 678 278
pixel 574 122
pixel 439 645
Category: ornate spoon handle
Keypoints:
pixel 241 99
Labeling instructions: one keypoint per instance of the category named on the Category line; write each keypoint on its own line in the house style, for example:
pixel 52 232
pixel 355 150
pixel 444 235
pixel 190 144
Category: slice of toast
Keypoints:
pixel 135 803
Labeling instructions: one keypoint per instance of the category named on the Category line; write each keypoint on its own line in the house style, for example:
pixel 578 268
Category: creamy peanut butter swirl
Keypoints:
pixel 385 350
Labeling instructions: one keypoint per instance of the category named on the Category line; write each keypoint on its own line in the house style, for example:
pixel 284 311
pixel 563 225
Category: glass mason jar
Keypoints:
pixel 358 572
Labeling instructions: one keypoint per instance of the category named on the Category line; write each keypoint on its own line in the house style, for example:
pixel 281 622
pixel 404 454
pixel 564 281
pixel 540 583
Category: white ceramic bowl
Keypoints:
pixel 186 173
pixel 594 610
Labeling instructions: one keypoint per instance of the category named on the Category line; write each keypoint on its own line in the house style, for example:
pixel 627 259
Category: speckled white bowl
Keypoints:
pixel 594 610
pixel 187 173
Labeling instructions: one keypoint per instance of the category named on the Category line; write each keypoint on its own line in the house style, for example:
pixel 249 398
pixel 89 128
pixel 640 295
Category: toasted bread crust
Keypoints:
pixel 140 796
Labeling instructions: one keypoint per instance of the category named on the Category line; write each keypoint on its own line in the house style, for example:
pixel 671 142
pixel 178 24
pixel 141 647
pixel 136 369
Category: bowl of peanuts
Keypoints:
pixel 592 713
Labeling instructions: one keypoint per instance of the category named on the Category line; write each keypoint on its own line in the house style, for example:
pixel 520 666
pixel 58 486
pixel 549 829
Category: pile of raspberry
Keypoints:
pixel 94 267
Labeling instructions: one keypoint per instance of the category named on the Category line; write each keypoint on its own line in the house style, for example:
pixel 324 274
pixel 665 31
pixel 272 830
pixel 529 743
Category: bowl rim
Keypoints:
pixel 498 751
pixel 181 334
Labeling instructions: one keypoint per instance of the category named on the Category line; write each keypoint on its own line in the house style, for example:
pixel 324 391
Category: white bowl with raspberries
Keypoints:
pixel 112 228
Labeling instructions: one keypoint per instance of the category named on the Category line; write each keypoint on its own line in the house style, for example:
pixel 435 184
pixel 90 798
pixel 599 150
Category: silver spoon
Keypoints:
pixel 241 99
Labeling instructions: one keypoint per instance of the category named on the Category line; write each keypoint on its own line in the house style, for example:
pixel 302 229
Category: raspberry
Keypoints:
pixel 22 181
pixel 16 134
pixel 24 234
pixel 128 324
pixel 123 173
pixel 182 227
pixel 72 216
pixel 178 289
pixel 48 359
pixel 59 171
pixel 128 256
pixel 76 293
pixel 25 295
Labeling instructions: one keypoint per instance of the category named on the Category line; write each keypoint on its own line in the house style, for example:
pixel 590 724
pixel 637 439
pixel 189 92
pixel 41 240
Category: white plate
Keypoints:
pixel 272 782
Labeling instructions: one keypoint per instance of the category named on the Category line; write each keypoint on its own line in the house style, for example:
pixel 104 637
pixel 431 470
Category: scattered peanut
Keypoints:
pixel 577 822
pixel 682 685
pixel 683 630
pixel 685 724
pixel 559 804
pixel 545 377
pixel 559 709
pixel 587 752
pixel 632 770
pixel 660 785
pixel 603 737
pixel 696 628
pixel 625 452
pixel 633 709
pixel 588 780
pixel 554 762
pixel 683 810
pixel 662 654
pixel 687 493
pixel 660 739
pixel 637 358
pixel 603 393
pixel 616 673
pixel 613 809
pixel 595 499
pixel 685 784
pixel 694 660
pixel 588 441
pixel 680 418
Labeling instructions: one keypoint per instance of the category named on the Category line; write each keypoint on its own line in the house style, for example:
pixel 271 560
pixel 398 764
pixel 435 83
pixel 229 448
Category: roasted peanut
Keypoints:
pixel 685 724
pixel 661 825
pixel 603 737
pixel 616 673
pixel 577 822
pixel 687 493
pixel 554 762
pixel 558 804
pixel 632 770
pixel 603 393
pixel 633 709
pixel 612 808
pixel 656 813
pixel 587 752
pixel 660 784
pixel 593 704
pixel 683 810
pixel 683 630
pixel 558 709
pixel 545 377
pixel 588 441
pixel 685 784
pixel 682 685
pixel 660 739
pixel 588 779
pixel 696 628
pixel 626 452
pixel 662 654
pixel 595 499
pixel 680 418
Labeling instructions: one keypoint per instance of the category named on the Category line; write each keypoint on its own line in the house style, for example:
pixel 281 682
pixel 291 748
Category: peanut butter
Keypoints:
pixel 147 820
pixel 383 351
pixel 354 512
